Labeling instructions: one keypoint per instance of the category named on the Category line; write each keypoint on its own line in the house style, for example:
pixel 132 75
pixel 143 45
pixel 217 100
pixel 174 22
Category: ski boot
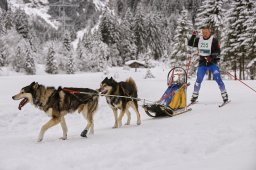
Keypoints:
pixel 194 97
pixel 224 96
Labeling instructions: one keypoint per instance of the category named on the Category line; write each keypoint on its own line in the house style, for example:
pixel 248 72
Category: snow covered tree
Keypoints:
pixel 154 25
pixel 182 34
pixel 3 53
pixel 29 63
pixel 234 45
pixel 21 23
pixel 6 21
pixel 126 45
pixel 251 30
pixel 70 65
pixel 18 62
pixel 2 27
pixel 51 62
pixel 139 30
pixel 67 63
pixel 114 56
pixel 149 74
pixel 109 28
pixel 211 13
pixel 67 41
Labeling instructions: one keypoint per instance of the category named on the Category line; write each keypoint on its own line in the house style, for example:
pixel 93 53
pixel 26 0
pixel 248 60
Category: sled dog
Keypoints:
pixel 57 103
pixel 127 88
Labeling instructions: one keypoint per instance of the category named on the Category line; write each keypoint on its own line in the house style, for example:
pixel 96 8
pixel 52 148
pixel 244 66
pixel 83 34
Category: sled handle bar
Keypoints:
pixel 172 71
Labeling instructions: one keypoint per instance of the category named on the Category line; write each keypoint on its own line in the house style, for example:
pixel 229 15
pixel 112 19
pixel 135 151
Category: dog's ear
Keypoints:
pixel 33 83
pixel 59 88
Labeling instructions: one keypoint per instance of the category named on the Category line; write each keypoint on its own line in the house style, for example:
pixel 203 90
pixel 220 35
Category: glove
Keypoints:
pixel 208 59
pixel 195 33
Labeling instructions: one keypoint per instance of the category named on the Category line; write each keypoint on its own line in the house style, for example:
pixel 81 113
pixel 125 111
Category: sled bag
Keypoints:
pixel 174 97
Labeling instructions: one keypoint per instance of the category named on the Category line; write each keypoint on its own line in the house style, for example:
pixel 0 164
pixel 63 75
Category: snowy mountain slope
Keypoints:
pixel 37 8
pixel 207 138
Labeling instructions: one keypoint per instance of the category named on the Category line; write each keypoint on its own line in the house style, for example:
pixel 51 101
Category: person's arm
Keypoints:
pixel 193 41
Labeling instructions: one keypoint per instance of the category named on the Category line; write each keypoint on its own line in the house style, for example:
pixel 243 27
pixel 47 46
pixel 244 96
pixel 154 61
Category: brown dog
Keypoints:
pixel 127 88
pixel 57 103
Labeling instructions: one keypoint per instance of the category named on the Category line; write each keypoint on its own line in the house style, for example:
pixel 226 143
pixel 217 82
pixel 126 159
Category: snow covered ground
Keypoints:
pixel 207 138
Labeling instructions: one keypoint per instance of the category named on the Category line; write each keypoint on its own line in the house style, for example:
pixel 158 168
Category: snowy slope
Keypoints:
pixel 207 138
pixel 37 8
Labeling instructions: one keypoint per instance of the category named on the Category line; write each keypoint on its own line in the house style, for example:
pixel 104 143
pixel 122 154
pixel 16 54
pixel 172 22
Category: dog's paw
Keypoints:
pixel 84 133
pixel 115 126
pixel 39 139
pixel 139 122
pixel 119 124
pixel 63 138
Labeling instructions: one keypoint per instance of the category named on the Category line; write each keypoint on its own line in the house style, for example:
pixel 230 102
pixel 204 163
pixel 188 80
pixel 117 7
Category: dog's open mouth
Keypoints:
pixel 23 102
pixel 104 91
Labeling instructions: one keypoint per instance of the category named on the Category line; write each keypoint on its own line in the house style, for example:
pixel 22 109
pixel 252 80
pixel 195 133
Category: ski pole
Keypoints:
pixel 241 81
pixel 189 63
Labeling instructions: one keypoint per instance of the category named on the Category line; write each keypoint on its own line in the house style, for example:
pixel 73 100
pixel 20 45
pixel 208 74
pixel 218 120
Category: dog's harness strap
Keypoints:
pixel 118 96
pixel 71 91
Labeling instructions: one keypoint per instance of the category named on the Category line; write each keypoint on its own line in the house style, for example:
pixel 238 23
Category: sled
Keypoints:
pixel 174 100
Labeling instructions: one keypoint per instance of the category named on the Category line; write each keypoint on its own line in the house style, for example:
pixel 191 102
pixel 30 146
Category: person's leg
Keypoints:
pixel 216 75
pixel 201 70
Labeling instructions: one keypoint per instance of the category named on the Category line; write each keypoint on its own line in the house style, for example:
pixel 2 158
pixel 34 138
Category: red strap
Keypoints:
pixel 71 91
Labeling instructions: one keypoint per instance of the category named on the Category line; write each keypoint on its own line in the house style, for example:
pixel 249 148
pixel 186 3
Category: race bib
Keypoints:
pixel 205 46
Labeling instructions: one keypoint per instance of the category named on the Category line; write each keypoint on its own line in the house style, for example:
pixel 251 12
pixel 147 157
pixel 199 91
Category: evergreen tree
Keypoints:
pixel 182 34
pixel 126 45
pixel 29 63
pixel 153 25
pixel 67 41
pixel 18 62
pixel 139 30
pixel 3 53
pixel 51 62
pixel 109 28
pixel 234 46
pixel 70 65
pixel 21 23
pixel 251 30
pixel 211 13
pixel 7 20
pixel 2 27
pixel 68 61
pixel 114 56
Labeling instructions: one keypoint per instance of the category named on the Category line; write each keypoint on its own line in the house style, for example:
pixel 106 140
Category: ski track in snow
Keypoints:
pixel 206 138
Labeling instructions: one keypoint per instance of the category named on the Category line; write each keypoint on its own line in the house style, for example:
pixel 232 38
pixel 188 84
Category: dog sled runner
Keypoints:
pixel 174 100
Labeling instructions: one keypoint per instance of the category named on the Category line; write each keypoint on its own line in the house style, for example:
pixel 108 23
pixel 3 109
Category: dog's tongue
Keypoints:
pixel 104 91
pixel 22 103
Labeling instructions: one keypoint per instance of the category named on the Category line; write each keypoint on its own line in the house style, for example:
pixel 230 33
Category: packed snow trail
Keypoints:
pixel 206 138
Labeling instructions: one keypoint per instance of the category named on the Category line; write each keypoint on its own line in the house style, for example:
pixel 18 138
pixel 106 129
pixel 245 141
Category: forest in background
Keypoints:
pixel 124 30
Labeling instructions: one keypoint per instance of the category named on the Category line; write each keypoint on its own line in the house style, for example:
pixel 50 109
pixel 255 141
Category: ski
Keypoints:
pixel 224 103
pixel 190 104
pixel 175 113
